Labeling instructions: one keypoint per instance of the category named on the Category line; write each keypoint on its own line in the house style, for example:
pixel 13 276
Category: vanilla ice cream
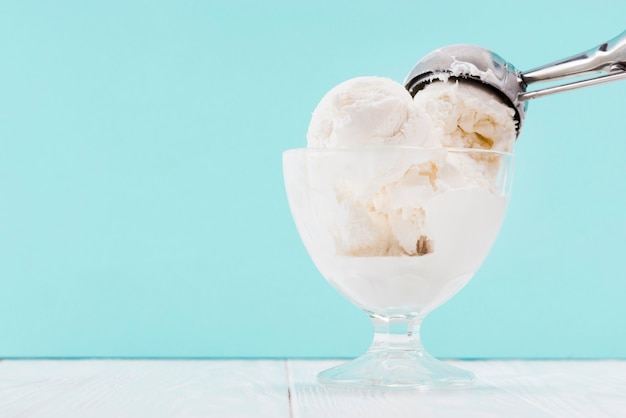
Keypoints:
pixel 380 218
pixel 374 111
pixel 465 115
pixel 366 111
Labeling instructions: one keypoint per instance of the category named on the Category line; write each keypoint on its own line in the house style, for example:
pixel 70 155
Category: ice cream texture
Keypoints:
pixel 389 214
pixel 366 111
pixel 371 111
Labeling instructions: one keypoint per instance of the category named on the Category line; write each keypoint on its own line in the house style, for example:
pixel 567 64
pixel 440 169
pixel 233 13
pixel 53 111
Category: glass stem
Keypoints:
pixel 396 334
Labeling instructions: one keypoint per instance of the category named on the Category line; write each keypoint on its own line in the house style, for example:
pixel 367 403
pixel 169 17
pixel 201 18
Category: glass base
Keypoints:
pixel 397 369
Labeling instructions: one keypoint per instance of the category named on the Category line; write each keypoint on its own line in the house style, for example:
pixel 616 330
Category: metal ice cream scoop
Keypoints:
pixel 476 64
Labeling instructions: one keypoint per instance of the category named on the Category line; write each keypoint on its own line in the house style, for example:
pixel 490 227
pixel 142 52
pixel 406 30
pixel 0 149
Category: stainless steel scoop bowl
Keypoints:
pixel 471 63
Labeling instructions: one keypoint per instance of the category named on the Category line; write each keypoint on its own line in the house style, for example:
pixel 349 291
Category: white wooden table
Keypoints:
pixel 287 388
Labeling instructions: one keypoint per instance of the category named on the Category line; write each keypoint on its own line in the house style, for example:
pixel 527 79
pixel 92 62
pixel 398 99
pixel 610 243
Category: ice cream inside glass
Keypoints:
pixel 398 202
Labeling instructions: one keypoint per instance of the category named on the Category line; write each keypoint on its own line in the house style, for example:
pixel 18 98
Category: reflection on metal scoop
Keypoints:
pixel 475 64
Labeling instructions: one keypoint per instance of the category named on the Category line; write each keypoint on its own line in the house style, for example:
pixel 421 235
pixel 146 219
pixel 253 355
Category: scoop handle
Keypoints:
pixel 616 75
pixel 602 58
pixel 609 57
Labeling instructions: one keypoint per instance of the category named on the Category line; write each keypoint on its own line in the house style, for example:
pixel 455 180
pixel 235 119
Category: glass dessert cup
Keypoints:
pixel 397 231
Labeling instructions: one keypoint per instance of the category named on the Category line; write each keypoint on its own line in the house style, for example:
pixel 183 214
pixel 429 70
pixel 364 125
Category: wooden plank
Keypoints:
pixel 131 388
pixel 259 388
pixel 504 389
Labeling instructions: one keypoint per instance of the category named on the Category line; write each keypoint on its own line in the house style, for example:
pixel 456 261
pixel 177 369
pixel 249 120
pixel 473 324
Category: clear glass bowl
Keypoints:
pixel 397 231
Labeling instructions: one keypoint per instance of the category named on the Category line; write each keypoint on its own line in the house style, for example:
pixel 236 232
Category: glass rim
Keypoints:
pixel 389 148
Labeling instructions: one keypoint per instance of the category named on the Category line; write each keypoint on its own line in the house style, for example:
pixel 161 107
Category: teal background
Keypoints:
pixel 142 210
